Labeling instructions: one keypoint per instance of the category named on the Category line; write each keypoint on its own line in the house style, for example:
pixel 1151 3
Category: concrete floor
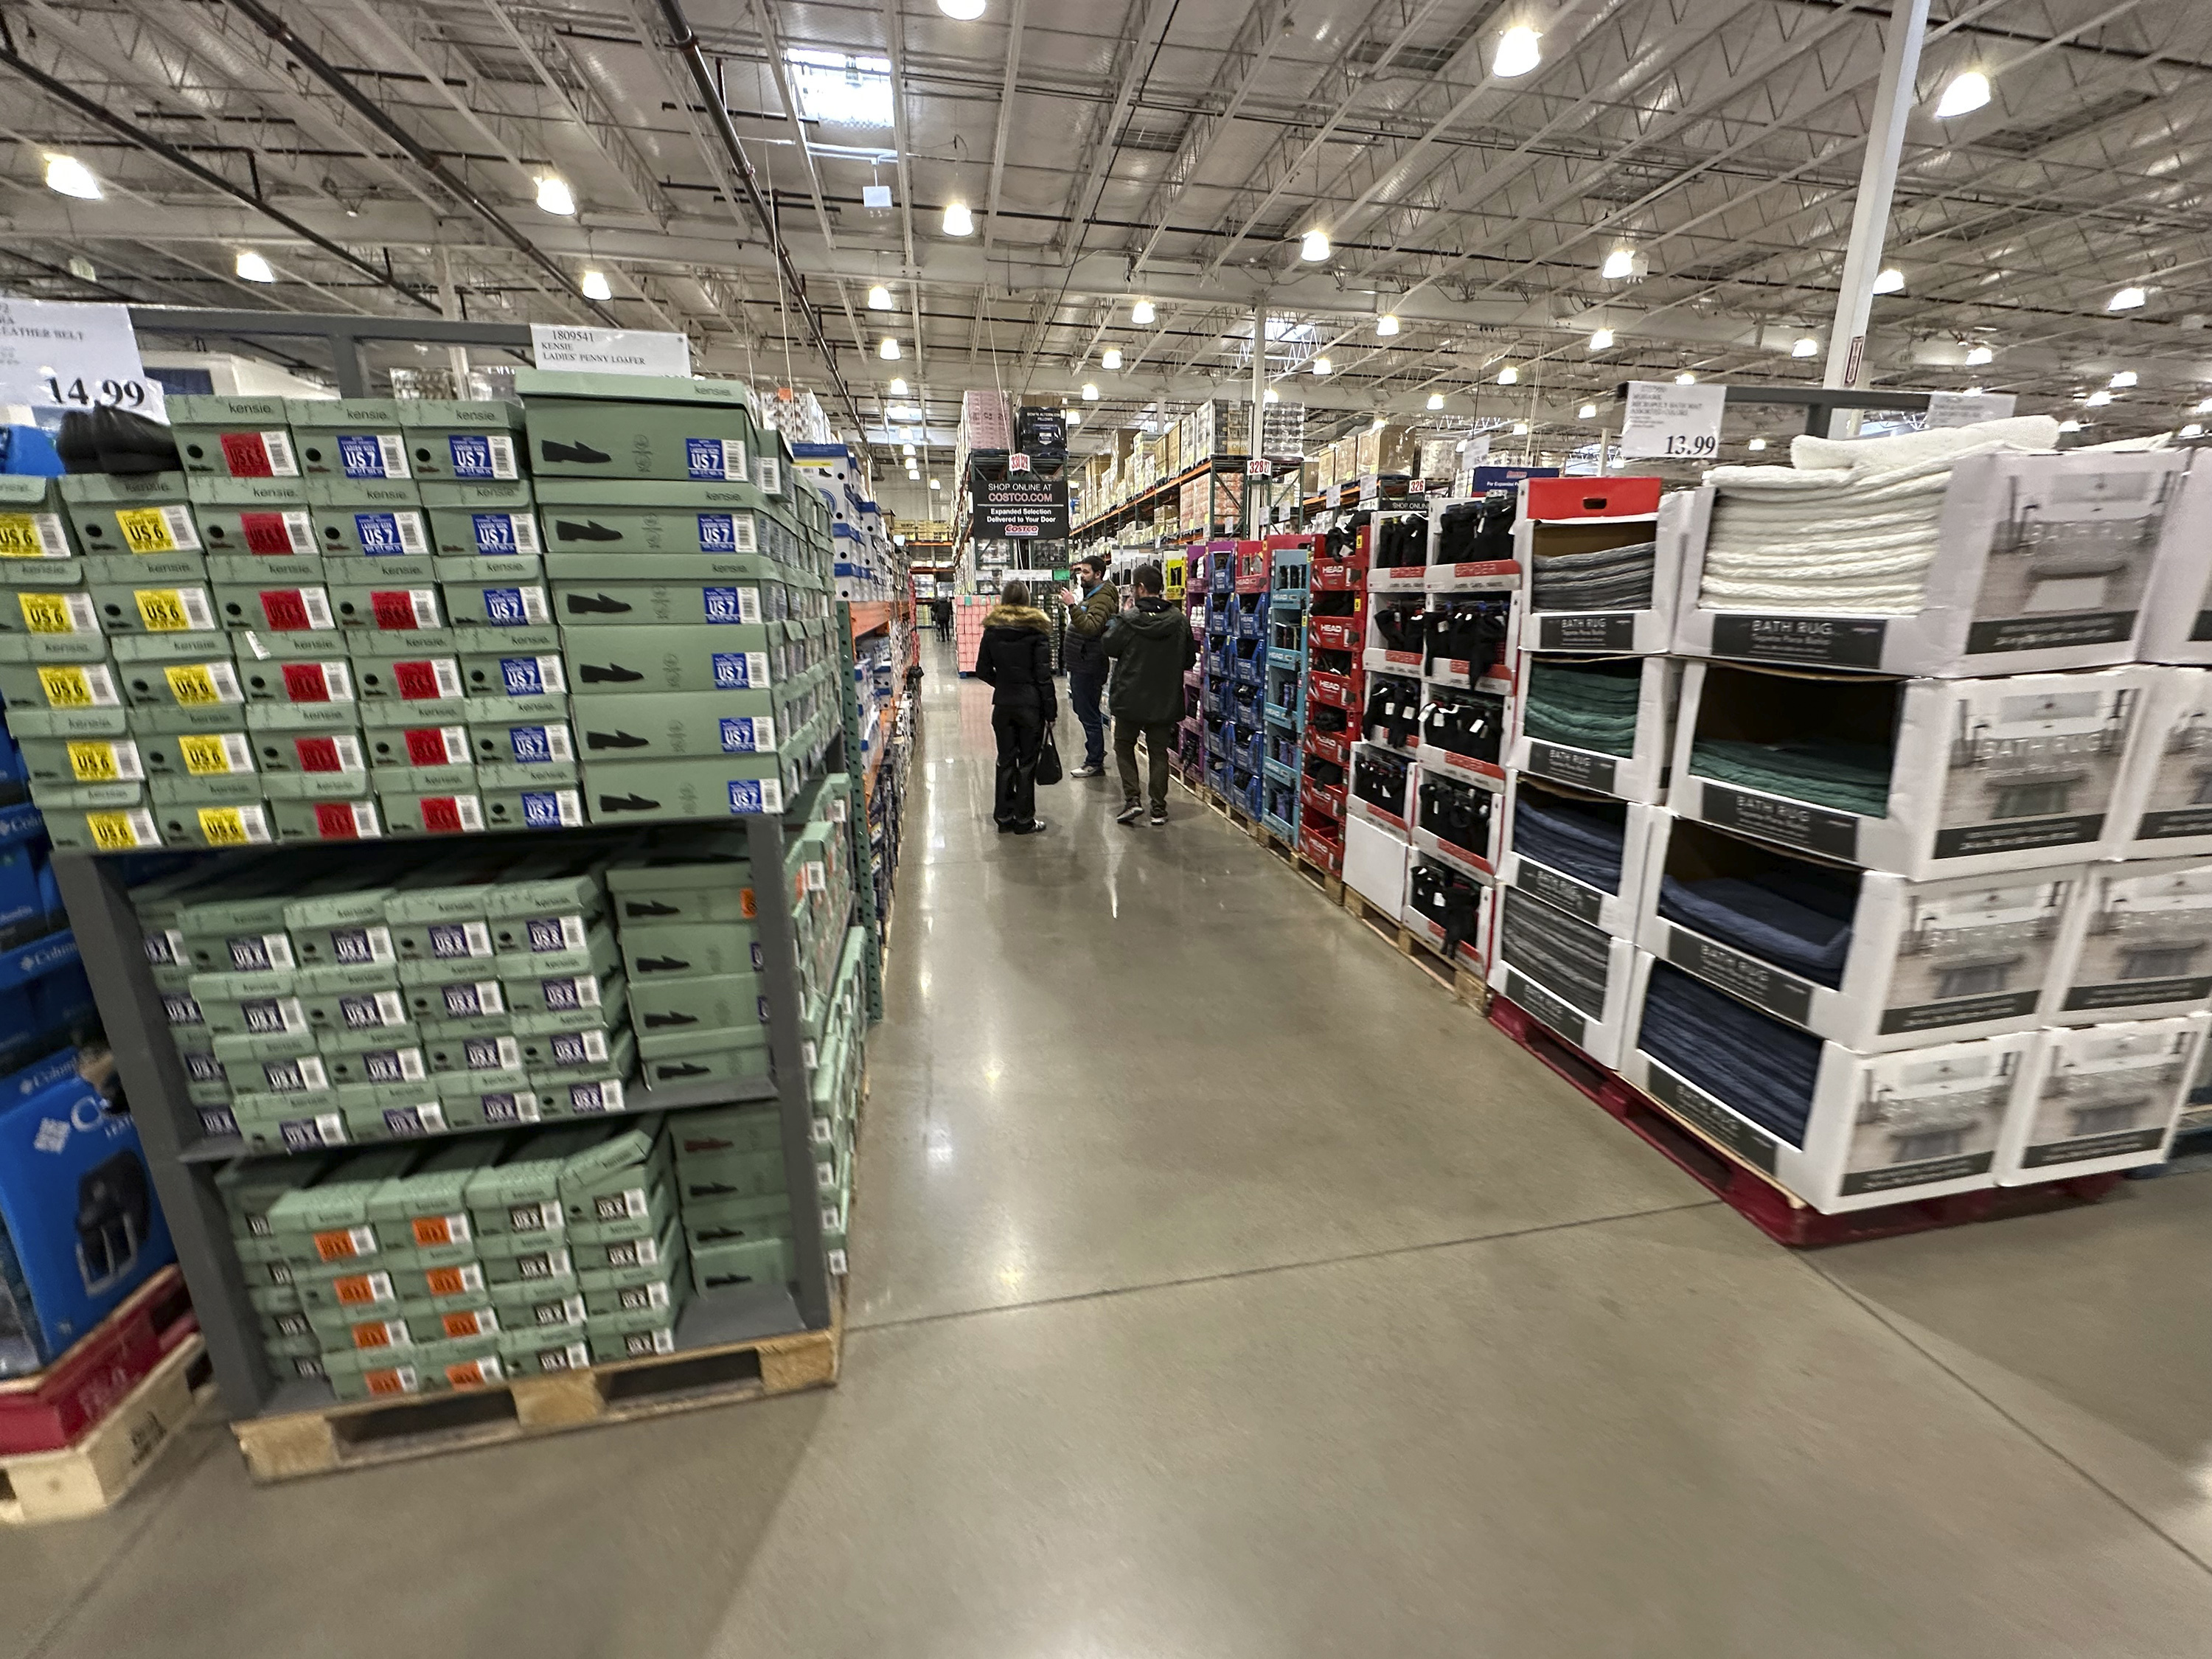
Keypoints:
pixel 1220 1289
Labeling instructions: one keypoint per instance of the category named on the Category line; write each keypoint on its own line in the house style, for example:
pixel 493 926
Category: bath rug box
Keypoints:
pixel 1564 517
pixel 1641 773
pixel 1566 975
pixel 1613 912
pixel 2101 1097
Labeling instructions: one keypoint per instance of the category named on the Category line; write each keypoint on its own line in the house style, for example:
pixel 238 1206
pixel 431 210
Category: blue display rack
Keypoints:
pixel 1283 709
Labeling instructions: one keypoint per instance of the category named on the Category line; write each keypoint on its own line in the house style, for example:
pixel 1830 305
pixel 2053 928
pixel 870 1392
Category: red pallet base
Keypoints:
pixel 1771 1208
pixel 52 1408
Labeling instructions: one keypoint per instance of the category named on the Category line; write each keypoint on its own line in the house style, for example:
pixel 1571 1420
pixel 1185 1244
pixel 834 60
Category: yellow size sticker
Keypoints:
pixel 32 536
pixel 194 684
pixel 119 832
pixel 93 762
pixel 212 755
pixel 54 613
pixel 173 610
pixel 232 826
pixel 77 688
pixel 146 529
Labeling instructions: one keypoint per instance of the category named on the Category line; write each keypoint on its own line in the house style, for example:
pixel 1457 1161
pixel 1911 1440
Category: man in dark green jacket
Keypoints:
pixel 1091 607
pixel 1151 647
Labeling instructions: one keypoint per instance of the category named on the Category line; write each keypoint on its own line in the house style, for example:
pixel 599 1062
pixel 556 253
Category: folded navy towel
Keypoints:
pixel 1754 1064
pixel 1582 839
pixel 1800 922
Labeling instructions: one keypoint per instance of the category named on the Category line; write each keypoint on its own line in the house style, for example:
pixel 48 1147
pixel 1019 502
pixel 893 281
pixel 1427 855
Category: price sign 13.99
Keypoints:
pixel 1673 422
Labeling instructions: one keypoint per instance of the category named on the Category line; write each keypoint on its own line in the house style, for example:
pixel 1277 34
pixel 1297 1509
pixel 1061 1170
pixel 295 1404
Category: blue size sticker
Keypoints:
pixel 364 455
pixel 546 933
pixel 481 1053
pixel 716 458
pixel 529 744
pixel 570 1050
pixel 462 1000
pixel 203 1068
pixel 384 1067
pixel 401 1122
pixel 731 604
pixel 383 533
pixel 218 1121
pixel 475 456
pixel 541 809
pixel 560 994
pixel 503 607
pixel 738 671
pixel 503 1108
pixel 756 795
pixel 301 1134
pixel 450 941
pixel 522 677
pixel 743 734
pixel 495 532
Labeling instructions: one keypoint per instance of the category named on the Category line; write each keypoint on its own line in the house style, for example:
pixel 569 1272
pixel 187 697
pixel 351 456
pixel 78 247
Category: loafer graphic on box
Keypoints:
pixel 610 674
pixel 596 604
pixel 568 530
pixel 576 452
pixel 615 740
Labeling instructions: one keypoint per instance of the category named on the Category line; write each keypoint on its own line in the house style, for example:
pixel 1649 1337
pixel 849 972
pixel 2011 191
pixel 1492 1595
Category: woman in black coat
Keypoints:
pixel 1015 660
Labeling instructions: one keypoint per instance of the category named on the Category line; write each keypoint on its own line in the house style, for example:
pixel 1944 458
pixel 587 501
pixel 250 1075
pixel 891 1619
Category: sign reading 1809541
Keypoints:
pixel 1021 507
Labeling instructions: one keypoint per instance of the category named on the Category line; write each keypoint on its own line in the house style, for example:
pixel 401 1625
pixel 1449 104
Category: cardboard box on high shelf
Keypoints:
pixel 474 441
pixel 1984 775
pixel 630 427
pixel 234 437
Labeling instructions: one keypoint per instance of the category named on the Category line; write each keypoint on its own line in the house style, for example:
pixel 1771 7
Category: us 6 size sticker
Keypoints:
pixel 98 760
pixel 157 529
pixel 722 459
pixel 88 686
pixel 58 613
pixel 203 685
pixel 481 455
pixel 233 826
pixel 373 455
pixel 32 535
pixel 503 535
pixel 215 754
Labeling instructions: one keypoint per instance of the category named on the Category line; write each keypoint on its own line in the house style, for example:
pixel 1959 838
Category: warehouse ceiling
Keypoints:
pixel 1171 150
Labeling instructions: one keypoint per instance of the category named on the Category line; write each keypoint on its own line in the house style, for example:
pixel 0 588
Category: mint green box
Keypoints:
pixel 130 514
pixel 715 1130
pixel 437 811
pixel 646 791
pixel 323 766
pixel 535 1352
pixel 712 657
pixel 534 946
pixel 535 1310
pixel 236 437
pixel 754 1262
pixel 47 624
pixel 592 1052
pixel 175 791
pixel 34 527
pixel 195 672
pixel 734 1004
pixel 384 604
pixel 497 602
pixel 602 517
pixel 471 519
pixel 422 753
pixel 356 439
pixel 275 602
pixel 680 725
pixel 679 602
pixel 532 734
pixel 265 659
pixel 378 1057
pixel 245 822
pixel 351 820
pixel 473 1052
pixel 707 1065
pixel 153 604
pixel 476 440
pixel 251 518
pixel 730 1175
pixel 379 520
pixel 419 664
pixel 694 881
pixel 621 426
pixel 426 1209
pixel 609 1267
pixel 68 762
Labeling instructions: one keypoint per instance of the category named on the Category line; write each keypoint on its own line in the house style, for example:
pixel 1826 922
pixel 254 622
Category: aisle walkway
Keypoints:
pixel 1223 1291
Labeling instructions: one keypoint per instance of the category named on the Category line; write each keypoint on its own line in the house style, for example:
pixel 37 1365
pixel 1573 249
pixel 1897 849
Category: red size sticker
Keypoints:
pixel 442 814
pixel 304 682
pixel 426 746
pixel 393 608
pixel 286 611
pixel 246 455
pixel 416 680
pixel 334 820
pixel 319 754
pixel 266 532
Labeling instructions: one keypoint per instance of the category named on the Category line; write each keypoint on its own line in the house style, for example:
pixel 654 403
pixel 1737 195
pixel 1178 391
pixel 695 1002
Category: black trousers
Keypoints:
pixel 1021 732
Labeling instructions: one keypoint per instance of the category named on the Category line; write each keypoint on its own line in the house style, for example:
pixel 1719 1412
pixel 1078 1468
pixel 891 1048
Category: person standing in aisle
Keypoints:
pixel 941 609
pixel 1092 605
pixel 1152 648
pixel 1015 660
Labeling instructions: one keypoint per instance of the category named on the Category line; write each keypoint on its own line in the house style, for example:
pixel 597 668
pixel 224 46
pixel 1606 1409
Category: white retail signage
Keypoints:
pixel 58 355
pixel 1964 408
pixel 1675 423
pixel 610 350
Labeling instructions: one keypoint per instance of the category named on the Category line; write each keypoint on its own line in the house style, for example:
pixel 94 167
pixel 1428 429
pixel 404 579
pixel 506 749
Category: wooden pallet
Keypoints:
pixel 51 1409
pixel 1460 983
pixel 365 1433
pixel 96 1473
pixel 1331 884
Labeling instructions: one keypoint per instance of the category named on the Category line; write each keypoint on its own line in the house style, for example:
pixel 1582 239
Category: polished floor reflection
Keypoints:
pixel 1219 1289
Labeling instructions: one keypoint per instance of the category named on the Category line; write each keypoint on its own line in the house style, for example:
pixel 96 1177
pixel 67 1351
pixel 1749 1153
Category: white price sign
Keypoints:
pixel 1672 422
pixel 610 350
pixel 1964 408
pixel 58 355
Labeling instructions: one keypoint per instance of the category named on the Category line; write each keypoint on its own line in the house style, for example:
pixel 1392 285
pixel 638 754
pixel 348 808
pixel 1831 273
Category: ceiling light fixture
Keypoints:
pixel 1509 376
pixel 253 267
pixel 934 484
pixel 1889 280
pixel 888 349
pixel 2123 380
pixel 1805 346
pixel 1111 358
pixel 595 286
pixel 2128 299
pixel 898 387
pixel 1619 265
pixel 1386 325
pixel 1967 93
pixel 905 414
pixel 554 196
pixel 958 221
pixel 1587 412
pixel 1074 416
pixel 2097 399
pixel 1601 339
pixel 879 298
pixel 965 11
pixel 1436 400
pixel 1089 393
pixel 1320 365
pixel 1686 379
pixel 1520 428
pixel 67 176
pixel 1142 312
pixel 1314 244
pixel 1271 395
pixel 1972 391
pixel 2204 408
pixel 1520 49
pixel 1756 443
pixel 2069 425
pixel 1976 355
pixel 2192 430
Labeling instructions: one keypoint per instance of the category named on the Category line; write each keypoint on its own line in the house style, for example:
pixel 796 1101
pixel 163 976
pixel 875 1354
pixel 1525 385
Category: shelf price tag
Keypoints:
pixel 1672 422
pixel 57 354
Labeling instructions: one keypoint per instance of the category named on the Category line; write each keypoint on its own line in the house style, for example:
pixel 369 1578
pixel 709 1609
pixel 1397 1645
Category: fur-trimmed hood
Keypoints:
pixel 1018 615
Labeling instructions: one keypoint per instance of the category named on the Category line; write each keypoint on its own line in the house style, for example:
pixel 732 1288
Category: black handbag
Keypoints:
pixel 1048 760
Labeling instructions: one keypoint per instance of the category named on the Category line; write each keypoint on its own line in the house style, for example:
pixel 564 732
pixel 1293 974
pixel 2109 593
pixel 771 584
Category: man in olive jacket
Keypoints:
pixel 1092 605
pixel 1151 647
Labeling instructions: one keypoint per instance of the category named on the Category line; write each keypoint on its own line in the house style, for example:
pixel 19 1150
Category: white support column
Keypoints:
pixel 1259 369
pixel 1900 70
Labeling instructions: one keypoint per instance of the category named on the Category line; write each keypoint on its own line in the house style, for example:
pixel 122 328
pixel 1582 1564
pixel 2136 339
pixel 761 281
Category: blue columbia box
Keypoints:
pixel 80 1228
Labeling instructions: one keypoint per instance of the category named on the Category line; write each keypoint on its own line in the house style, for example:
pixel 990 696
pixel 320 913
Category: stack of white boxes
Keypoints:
pixel 2029 958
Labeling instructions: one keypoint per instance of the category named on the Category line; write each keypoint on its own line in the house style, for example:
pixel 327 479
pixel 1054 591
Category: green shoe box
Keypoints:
pixel 128 515
pixel 594 1052
pixel 154 604
pixel 638 1153
pixel 307 666
pixel 459 953
pixel 236 437
pixel 682 886
pixel 612 1347
pixel 632 1262
pixel 344 930
pixel 537 1309
pixel 166 672
pixel 357 439
pixel 523 663
pixel 716 1221
pixel 704 1065
pixel 253 518
pixel 387 1111
pixel 554 806
pixel 601 426
pixel 518 780
pixel 60 626
pixel 732 1006
pixel 365 1011
pixel 536 1353
pixel 173 791
pixel 523 732
pixel 275 1301
pixel 676 602
pixel 446 811
pixel 704 1176
pixel 216 748
pixel 90 797
pixel 677 724
pixel 390 605
pixel 571 1096
pixel 469 1103
pixel 471 999
pixel 34 527
pixel 70 763
pixel 501 885
pixel 607 1017
pixel 654 952
pixel 716 1129
pixel 479 521
pixel 534 947
pixel 523 1192
pixel 641 1211
pixel 376 519
pixel 413 665
pixel 372 1057
pixel 274 602
pixel 475 441
pixel 609 662
pixel 326 820
pixel 599 982
pixel 757 1262
pixel 540 1259
pixel 426 1207
pixel 591 518
pixel 647 792
pixel 496 603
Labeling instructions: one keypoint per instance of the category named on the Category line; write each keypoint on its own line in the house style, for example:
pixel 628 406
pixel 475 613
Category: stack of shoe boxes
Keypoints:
pixel 332 626
pixel 690 580
pixel 319 1007
pixel 1587 751
pixel 407 1270
pixel 1922 903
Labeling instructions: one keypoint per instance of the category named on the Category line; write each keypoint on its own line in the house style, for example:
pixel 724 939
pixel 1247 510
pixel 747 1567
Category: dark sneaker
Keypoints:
pixel 1130 813
pixel 1160 817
